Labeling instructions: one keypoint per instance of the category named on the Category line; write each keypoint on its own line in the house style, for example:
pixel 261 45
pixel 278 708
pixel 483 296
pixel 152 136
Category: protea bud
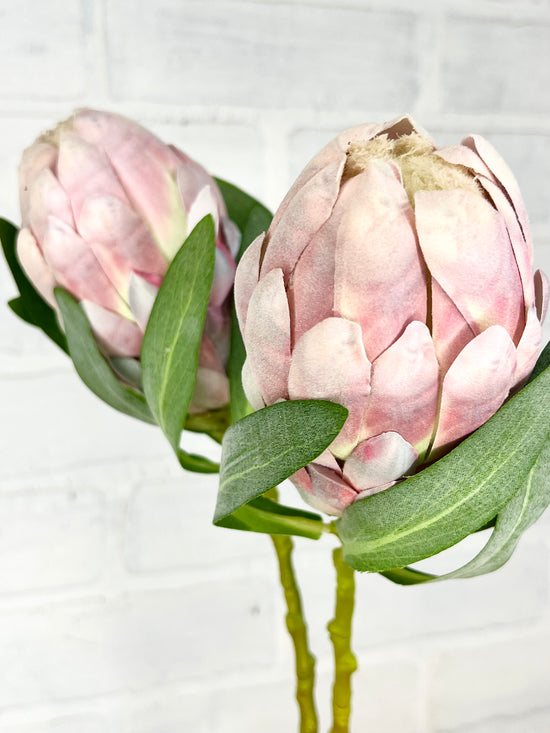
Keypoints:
pixel 396 279
pixel 105 206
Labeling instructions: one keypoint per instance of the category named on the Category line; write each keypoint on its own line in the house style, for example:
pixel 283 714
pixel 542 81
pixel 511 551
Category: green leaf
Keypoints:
pixel 197 463
pixel 30 306
pixel 520 513
pixel 240 206
pixel 170 351
pixel 455 496
pixel 270 517
pixel 270 445
pixel 92 366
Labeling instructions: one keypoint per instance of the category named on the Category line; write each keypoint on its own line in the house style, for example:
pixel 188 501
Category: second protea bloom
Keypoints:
pixel 105 207
pixel 396 279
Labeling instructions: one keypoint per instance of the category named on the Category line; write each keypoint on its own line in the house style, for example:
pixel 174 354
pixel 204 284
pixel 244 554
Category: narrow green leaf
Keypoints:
pixel 456 495
pixel 30 306
pixel 270 517
pixel 170 351
pixel 237 354
pixel 270 445
pixel 407 576
pixel 91 365
pixel 520 513
pixel 197 463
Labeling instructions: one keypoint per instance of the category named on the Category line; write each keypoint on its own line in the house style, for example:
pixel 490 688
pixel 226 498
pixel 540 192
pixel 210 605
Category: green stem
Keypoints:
pixel 296 625
pixel 339 629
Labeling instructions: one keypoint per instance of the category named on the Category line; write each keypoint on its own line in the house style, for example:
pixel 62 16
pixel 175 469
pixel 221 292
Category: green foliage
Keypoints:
pixel 270 445
pixel 501 469
pixel 171 345
pixel 91 365
pixel 29 306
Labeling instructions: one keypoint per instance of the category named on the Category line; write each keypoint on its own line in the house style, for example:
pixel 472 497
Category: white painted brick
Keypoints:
pixel 52 422
pixel 138 641
pixel 388 613
pixel 472 683
pixel 516 593
pixel 234 153
pixel 529 723
pixel 50 539
pixel 305 143
pixel 65 724
pixel 262 55
pixel 537 722
pixel 41 54
pixel 271 707
pixel 169 526
pixel 493 66
pixel 374 687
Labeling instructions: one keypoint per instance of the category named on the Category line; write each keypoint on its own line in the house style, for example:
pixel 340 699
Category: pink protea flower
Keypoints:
pixel 105 206
pixel 396 279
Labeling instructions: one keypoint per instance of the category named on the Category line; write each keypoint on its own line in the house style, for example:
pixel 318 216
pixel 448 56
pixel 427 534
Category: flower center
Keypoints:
pixel 421 168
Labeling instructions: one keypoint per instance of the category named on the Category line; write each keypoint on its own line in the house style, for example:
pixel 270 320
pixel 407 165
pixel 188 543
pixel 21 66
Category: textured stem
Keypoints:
pixel 296 625
pixel 339 629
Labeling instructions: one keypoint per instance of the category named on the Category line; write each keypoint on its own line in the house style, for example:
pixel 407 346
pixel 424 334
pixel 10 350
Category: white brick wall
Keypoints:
pixel 121 609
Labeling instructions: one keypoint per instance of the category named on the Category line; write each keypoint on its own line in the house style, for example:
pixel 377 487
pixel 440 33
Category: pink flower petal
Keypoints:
pixel 267 337
pixel 120 241
pixel 114 133
pixel 47 198
pixel 117 335
pixel 475 386
pixel 330 493
pixel 380 279
pixel 224 277
pixel 34 160
pixel 542 288
pixel 246 278
pixel 251 388
pixel 504 176
pixel 147 169
pixel 405 387
pixel 467 249
pixel 379 460
pixel 211 391
pixel 232 236
pixel 35 266
pixel 84 171
pixel 311 285
pixel 461 155
pixel 204 204
pixel 77 269
pixel 522 253
pixel 329 363
pixel 529 346
pixel 326 156
pixel 450 330
pixel 306 213
pixel 141 298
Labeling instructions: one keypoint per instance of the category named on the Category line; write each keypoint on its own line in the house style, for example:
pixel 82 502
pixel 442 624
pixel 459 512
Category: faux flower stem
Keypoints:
pixel 296 625
pixel 339 629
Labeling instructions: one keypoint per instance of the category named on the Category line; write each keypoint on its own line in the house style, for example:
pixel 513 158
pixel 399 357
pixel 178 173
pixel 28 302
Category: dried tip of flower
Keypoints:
pixel 421 169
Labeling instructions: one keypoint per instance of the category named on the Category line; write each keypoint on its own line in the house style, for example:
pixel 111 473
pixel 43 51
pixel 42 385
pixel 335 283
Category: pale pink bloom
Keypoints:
pixel 105 206
pixel 396 279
